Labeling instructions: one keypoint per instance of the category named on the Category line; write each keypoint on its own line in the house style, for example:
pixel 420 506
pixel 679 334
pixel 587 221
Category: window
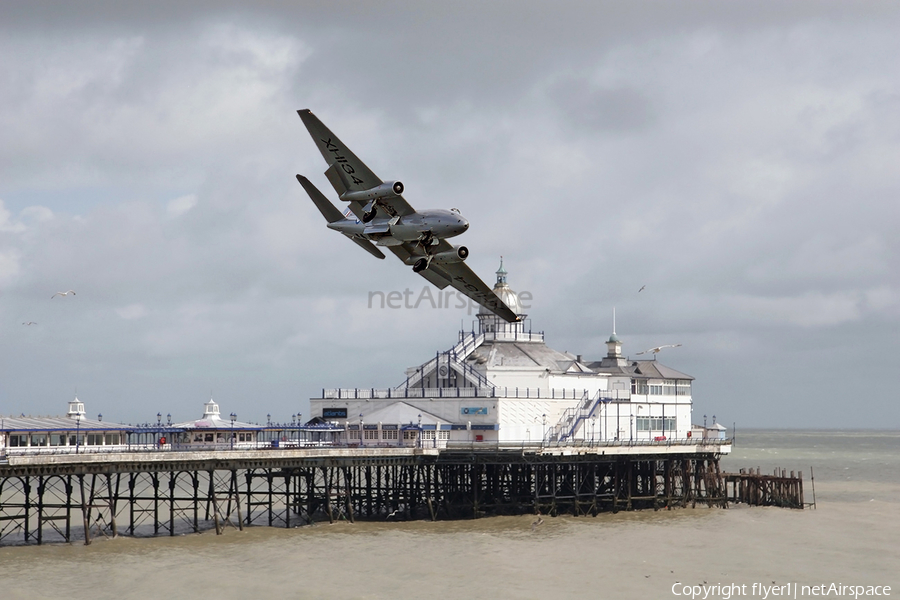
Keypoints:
pixel 682 388
pixel 654 423
pixel 409 434
pixel 371 434
pixel 389 434
pixel 353 434
pixel 639 386
pixel 38 439
pixel 57 439
pixel 207 437
pixel 112 439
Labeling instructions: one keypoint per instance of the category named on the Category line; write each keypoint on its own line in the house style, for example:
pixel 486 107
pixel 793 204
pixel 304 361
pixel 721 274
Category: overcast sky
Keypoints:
pixel 740 160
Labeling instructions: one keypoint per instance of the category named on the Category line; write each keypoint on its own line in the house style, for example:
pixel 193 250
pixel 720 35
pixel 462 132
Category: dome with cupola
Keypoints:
pixel 503 291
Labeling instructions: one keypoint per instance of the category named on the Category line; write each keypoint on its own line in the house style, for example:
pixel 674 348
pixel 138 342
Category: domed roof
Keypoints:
pixel 509 297
pixel 501 288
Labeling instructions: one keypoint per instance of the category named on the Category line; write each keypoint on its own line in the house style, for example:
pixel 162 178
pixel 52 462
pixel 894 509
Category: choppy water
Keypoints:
pixel 852 538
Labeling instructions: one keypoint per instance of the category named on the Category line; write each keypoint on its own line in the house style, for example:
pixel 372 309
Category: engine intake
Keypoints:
pixel 385 190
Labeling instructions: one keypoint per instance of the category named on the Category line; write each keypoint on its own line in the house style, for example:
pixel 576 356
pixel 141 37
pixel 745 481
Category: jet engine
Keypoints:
pixel 385 190
pixel 458 254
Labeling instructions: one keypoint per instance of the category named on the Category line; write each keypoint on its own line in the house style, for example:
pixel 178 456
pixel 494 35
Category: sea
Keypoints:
pixel 848 546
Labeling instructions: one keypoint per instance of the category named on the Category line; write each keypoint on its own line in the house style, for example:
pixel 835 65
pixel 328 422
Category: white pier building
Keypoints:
pixel 504 384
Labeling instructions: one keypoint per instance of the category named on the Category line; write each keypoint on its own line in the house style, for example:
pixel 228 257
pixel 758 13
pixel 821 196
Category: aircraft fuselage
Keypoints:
pixel 441 224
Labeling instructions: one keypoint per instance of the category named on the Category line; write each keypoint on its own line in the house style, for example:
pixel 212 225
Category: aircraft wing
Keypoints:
pixel 460 276
pixel 346 172
pixel 466 281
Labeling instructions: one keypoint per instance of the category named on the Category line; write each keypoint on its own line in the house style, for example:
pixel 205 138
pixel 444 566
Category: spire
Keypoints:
pixel 501 274
pixel 613 338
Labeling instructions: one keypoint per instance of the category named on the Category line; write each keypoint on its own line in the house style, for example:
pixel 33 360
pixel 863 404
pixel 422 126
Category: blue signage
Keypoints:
pixel 480 410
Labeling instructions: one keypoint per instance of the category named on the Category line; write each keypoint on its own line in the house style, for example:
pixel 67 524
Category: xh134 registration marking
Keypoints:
pixel 379 216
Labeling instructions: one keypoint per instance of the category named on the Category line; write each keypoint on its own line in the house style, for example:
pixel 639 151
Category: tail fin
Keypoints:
pixel 328 210
pixel 332 214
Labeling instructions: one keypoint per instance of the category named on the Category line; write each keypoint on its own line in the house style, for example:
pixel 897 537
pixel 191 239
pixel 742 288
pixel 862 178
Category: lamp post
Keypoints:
pixel 169 418
pixel 419 434
pixel 360 430
pixel 233 417
pixel 77 432
pixel 544 430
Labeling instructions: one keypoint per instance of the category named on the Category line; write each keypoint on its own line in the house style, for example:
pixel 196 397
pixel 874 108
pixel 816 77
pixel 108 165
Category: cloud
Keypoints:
pixel 132 311
pixel 180 205
pixel 739 162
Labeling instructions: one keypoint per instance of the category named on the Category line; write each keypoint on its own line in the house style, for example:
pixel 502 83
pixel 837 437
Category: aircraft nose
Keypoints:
pixel 464 223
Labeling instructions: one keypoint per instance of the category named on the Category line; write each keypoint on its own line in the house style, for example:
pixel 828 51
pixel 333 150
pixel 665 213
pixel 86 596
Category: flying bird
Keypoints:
pixel 658 348
pixel 537 522
pixel 32 322
pixel 62 294
pixel 642 289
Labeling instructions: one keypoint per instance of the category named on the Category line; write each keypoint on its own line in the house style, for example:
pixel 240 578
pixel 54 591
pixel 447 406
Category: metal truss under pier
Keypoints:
pixel 137 495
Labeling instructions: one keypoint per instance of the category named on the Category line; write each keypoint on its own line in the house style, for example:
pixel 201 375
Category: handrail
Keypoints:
pixel 467 343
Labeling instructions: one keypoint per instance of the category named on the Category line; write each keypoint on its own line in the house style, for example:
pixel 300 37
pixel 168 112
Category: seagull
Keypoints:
pixel 392 514
pixel 32 322
pixel 658 348
pixel 536 522
pixel 62 294
pixel 642 289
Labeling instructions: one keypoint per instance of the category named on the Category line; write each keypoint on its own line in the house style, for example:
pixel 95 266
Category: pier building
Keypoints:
pixel 211 430
pixel 74 432
pixel 503 383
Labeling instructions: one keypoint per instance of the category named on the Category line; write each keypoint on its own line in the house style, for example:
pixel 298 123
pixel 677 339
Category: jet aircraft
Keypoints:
pixel 379 216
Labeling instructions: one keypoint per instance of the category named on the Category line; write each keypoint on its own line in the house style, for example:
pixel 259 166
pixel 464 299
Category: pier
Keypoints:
pixel 751 487
pixel 68 498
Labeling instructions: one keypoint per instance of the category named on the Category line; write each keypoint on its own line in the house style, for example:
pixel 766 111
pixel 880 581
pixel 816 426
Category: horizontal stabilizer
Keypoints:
pixel 328 210
pixel 368 247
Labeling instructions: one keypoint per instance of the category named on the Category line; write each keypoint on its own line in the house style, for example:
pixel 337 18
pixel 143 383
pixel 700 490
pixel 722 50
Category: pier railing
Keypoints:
pixel 520 445
pixel 456 392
